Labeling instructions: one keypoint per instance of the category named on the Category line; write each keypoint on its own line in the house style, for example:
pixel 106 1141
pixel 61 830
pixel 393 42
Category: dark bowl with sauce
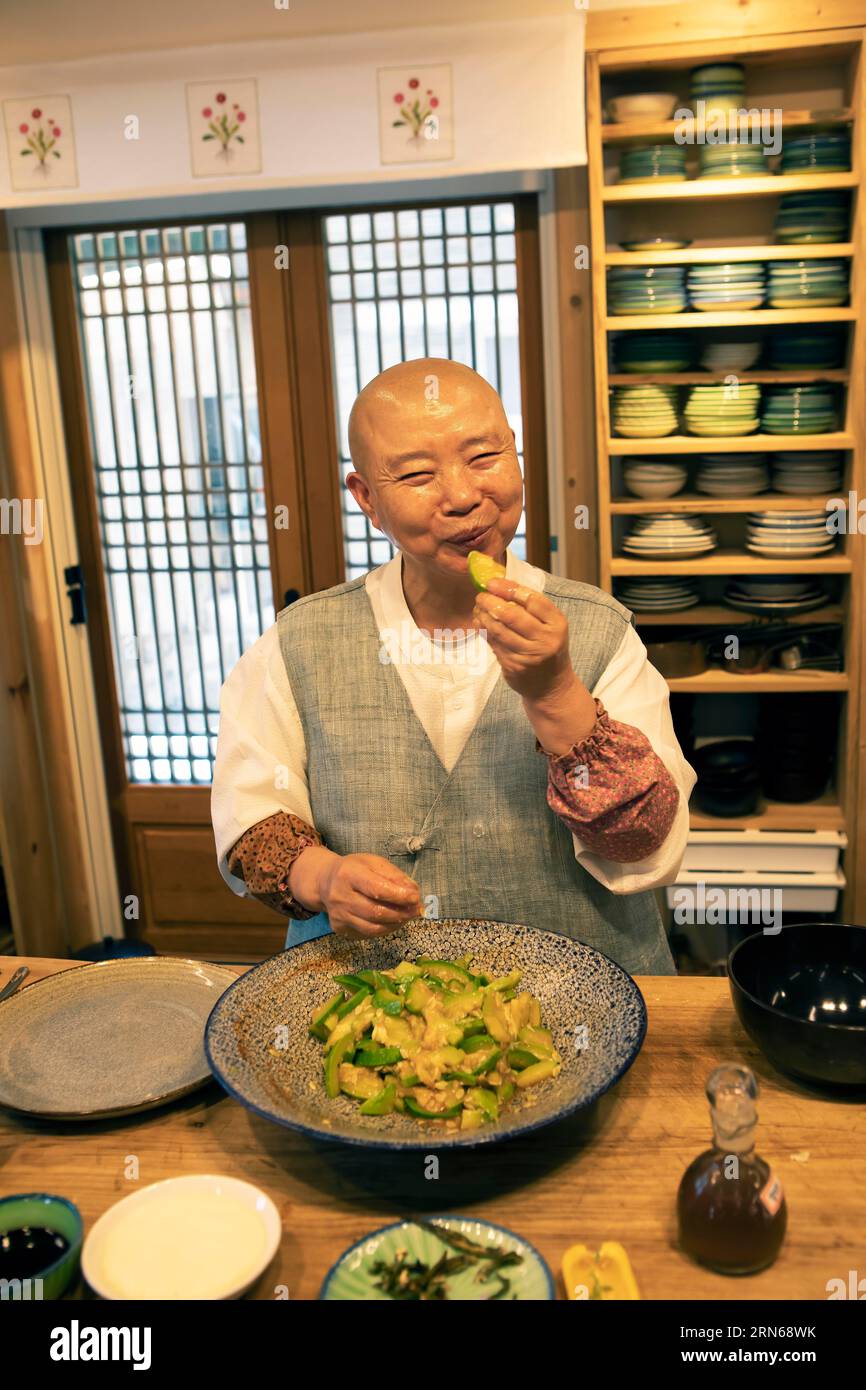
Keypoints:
pixel 801 997
pixel 40 1243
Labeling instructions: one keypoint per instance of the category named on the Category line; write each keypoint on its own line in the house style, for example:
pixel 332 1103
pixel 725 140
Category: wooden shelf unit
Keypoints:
pixel 817 78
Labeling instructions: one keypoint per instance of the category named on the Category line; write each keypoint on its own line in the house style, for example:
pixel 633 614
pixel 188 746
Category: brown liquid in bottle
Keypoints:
pixel 730 1206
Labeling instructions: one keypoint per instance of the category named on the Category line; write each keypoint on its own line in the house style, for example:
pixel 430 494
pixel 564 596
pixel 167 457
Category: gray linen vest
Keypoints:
pixel 481 838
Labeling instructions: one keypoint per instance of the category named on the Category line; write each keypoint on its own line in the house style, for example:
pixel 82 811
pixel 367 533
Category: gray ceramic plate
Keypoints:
pixel 585 999
pixel 108 1038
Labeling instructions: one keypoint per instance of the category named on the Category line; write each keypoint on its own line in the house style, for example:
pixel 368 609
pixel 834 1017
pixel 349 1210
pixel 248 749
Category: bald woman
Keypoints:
pixel 401 745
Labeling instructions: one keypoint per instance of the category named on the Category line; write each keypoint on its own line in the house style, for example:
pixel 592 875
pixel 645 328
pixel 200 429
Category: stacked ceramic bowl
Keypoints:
pixel 643 163
pixel 807 349
pixel 720 86
pixel 732 475
pixel 722 410
pixel 789 535
pixel 807 284
pixel 650 478
pixel 669 535
pixel 645 595
pixel 735 287
pixel 801 474
pixel 732 159
pixel 653 352
pixel 667 241
pixel 774 595
pixel 799 410
pixel 808 217
pixel 643 106
pixel 730 357
pixel 644 412
pixel 651 289
pixel 818 152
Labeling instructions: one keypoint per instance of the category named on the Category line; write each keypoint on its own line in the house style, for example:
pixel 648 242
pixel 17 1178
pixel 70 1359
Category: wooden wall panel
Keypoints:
pixel 42 846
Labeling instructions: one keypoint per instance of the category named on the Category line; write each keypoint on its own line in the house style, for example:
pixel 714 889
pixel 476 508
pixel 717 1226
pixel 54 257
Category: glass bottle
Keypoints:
pixel 730 1205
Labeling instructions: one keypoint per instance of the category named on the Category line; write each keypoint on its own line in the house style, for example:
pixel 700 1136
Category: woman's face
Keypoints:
pixel 438 468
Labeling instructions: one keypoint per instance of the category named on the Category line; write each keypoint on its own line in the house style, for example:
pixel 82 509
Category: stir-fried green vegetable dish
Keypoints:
pixel 434 1039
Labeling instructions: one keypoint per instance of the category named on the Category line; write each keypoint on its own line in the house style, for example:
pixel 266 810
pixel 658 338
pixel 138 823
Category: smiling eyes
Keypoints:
pixel 426 473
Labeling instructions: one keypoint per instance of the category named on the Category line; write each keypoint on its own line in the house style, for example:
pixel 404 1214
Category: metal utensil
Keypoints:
pixel 12 984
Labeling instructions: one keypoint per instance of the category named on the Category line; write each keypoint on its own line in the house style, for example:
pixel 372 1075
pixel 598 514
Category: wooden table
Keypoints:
pixel 608 1174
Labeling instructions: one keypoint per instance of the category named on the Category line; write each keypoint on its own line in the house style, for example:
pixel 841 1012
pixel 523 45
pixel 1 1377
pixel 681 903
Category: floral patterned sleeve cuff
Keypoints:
pixel 265 853
pixel 613 791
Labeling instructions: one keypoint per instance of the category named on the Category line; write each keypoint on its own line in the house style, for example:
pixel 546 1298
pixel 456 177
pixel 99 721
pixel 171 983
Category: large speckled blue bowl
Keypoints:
pixel 594 1010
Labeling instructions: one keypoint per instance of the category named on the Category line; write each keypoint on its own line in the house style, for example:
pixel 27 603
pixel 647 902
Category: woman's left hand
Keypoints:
pixel 529 637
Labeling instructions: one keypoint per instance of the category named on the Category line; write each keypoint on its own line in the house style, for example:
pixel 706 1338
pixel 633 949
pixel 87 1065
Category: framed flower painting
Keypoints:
pixel 40 143
pixel 416 118
pixel 224 127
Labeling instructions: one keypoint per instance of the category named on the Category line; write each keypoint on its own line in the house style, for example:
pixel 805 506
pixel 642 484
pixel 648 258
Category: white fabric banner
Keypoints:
pixel 346 109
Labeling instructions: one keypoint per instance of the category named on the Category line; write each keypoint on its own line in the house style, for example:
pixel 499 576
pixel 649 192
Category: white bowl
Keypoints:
pixel 643 106
pixel 204 1236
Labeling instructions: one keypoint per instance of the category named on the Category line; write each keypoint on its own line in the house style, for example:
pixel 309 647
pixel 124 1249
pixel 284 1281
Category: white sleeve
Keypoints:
pixel 634 692
pixel 261 758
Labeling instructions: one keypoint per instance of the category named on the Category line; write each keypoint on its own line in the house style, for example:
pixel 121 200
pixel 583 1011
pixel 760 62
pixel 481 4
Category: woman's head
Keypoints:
pixel 435 459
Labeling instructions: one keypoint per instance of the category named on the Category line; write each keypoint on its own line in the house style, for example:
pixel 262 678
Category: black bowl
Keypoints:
pixel 801 997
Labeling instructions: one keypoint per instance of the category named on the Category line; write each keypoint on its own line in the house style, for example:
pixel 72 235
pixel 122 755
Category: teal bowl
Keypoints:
pixel 53 1214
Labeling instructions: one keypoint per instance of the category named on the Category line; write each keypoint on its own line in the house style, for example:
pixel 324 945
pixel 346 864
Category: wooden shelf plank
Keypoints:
pixel 698 501
pixel 725 561
pixel 824 813
pixel 712 255
pixel 613 133
pixel 719 615
pixel 751 318
pixel 719 378
pixel 731 444
pixel 761 186
pixel 717 682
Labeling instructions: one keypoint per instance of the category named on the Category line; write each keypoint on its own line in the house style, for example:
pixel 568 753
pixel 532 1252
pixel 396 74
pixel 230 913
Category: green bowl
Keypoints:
pixel 53 1214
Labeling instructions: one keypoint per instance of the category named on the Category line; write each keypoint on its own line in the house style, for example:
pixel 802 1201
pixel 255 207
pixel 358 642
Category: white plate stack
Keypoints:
pixel 646 478
pixel 801 474
pixel 669 535
pixel 732 475
pixel 775 594
pixel 658 595
pixel 730 357
pixel 789 535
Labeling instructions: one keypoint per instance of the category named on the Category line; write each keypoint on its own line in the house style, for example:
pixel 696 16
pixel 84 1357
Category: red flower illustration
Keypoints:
pixel 414 112
pixel 40 140
pixel 223 127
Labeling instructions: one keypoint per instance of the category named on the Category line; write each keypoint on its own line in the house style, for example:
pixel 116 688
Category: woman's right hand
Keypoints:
pixel 366 895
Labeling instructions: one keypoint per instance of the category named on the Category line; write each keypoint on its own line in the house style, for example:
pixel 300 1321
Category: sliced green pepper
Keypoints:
pixel 353 1001
pixel 519 1058
pixel 378 1056
pixel 421 1114
pixel 476 1041
pixel 383 1103
pixel 337 1054
pixel 351 982
pixel 317 1027
pixel 507 981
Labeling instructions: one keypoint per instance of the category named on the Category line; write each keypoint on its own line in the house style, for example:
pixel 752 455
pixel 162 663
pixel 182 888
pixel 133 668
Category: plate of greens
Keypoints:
pixel 449 1258
pixel 451 1032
